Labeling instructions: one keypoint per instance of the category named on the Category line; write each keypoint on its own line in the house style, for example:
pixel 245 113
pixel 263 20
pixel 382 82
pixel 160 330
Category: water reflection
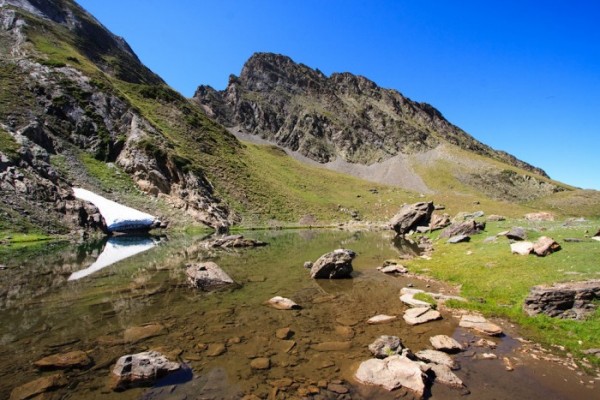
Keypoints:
pixel 117 248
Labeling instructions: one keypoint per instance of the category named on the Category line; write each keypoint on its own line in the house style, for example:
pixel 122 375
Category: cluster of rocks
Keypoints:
pixel 519 245
pixel 566 300
pixel 461 231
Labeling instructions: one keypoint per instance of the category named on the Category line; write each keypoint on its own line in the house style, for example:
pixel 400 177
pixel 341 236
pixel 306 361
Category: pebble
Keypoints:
pixel 260 363
pixel 283 333
pixel 216 349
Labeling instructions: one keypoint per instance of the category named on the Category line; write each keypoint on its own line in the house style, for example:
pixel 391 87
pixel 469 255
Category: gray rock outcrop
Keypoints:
pixel 412 216
pixel 334 265
pixel 566 300
pixel 207 276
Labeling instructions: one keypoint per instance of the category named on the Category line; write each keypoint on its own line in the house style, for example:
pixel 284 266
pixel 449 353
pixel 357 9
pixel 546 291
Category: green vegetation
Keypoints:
pixel 496 282
pixel 8 145
pixel 109 176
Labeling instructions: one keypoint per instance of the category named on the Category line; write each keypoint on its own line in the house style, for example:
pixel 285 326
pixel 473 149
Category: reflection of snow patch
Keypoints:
pixel 117 216
pixel 116 249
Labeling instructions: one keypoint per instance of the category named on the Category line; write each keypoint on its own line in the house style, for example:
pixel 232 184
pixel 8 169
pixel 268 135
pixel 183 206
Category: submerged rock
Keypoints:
pixel 385 346
pixel 141 369
pixel 282 303
pixel 381 319
pixel 412 216
pixel 445 343
pixel 207 276
pixel 137 333
pixel 480 324
pixel 41 385
pixel 391 373
pixel 334 265
pixel 392 267
pixel 233 241
pixel 436 357
pixel 566 300
pixel 444 375
pixel 72 359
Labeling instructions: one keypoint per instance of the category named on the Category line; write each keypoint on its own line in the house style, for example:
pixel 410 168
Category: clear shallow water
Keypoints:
pixel 42 312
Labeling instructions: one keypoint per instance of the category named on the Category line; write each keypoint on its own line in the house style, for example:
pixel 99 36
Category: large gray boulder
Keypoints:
pixel 207 276
pixel 412 216
pixel 463 228
pixel 334 265
pixel 391 373
pixel 141 369
pixel 566 300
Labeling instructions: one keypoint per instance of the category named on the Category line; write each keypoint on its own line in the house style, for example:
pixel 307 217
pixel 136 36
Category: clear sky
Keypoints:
pixel 521 76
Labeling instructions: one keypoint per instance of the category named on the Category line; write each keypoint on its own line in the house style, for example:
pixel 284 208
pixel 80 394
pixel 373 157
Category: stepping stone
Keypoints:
pixel 480 324
pixel 421 315
pixel 445 343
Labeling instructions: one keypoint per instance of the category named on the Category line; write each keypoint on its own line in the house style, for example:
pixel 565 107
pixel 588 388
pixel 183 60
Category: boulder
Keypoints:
pixel 445 343
pixel 544 246
pixel 444 375
pixel 516 233
pixel 41 385
pixel 334 265
pixel 420 315
pixel 385 346
pixel 496 218
pixel 463 228
pixel 260 363
pixel 539 216
pixel 141 369
pixel 436 357
pixel 521 248
pixel 72 359
pixel 207 276
pixel 411 216
pixel 459 239
pixel 439 221
pixel 393 269
pixel 282 303
pixel 391 373
pixel 479 324
pixel 381 319
pixel 566 300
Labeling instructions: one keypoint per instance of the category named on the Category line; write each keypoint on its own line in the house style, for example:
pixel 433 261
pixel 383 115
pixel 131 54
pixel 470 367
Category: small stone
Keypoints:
pixel 345 332
pixel 260 363
pixel 142 368
pixel 516 233
pixel 282 303
pixel 508 365
pixel 283 333
pixel 381 319
pixel 201 346
pixel 393 269
pixel 216 349
pixel 282 383
pixel 308 264
pixel 485 343
pixel 332 346
pixel 489 356
pixel 337 388
pixel 234 340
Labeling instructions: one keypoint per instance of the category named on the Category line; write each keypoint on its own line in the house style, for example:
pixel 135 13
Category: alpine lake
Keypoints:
pixel 125 295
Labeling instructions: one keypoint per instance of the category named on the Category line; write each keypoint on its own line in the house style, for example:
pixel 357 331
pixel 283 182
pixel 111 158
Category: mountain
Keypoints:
pixel 347 121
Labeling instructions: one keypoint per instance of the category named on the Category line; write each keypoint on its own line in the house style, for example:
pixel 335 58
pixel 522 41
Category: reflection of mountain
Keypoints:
pixel 116 249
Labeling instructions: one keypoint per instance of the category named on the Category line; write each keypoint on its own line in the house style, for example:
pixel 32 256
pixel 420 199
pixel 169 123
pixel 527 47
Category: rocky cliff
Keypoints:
pixel 341 116
pixel 77 108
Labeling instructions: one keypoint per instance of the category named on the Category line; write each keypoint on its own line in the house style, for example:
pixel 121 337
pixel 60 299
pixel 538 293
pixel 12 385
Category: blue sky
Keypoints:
pixel 520 76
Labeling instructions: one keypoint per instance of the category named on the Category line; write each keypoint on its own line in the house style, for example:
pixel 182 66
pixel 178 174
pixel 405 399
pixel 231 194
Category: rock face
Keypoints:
pixel 566 300
pixel 412 216
pixel 343 116
pixel 207 276
pixel 391 373
pixel 334 265
pixel 141 369
pixel 463 228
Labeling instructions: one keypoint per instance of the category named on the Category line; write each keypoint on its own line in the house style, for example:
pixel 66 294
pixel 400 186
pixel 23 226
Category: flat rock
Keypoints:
pixel 282 303
pixel 333 346
pixel 436 357
pixel 216 349
pixel 521 248
pixel 138 333
pixel 334 265
pixel 516 233
pixel 393 269
pixel 496 218
pixel 391 373
pixel 385 346
pixel 412 216
pixel 480 324
pixel 141 369
pixel 337 388
pixel 420 315
pixel 41 385
pixel 539 216
pixel 463 228
pixel 207 276
pixel 409 300
pixel 458 239
pixel 444 375
pixel 260 363
pixel 574 300
pixel 381 319
pixel 544 246
pixel 439 221
pixel 72 359
pixel 232 241
pixel 445 343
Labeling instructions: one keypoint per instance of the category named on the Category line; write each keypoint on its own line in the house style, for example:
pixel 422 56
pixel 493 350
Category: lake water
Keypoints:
pixel 73 298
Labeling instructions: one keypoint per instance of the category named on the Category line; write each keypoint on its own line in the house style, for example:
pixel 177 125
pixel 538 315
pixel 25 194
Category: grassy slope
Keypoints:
pixel 496 282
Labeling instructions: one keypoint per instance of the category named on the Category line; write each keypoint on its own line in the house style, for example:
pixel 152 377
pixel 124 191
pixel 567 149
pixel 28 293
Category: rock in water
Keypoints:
pixel 207 276
pixel 334 265
pixel 445 343
pixel 420 315
pixel 391 373
pixel 73 359
pixel 282 303
pixel 385 346
pixel 480 324
pixel 141 369
pixel 544 246
pixel 444 375
pixel 35 388
pixel 521 248
pixel 463 228
pixel 436 357
pixel 381 319
pixel 411 216
pixel 566 300
pixel 232 241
